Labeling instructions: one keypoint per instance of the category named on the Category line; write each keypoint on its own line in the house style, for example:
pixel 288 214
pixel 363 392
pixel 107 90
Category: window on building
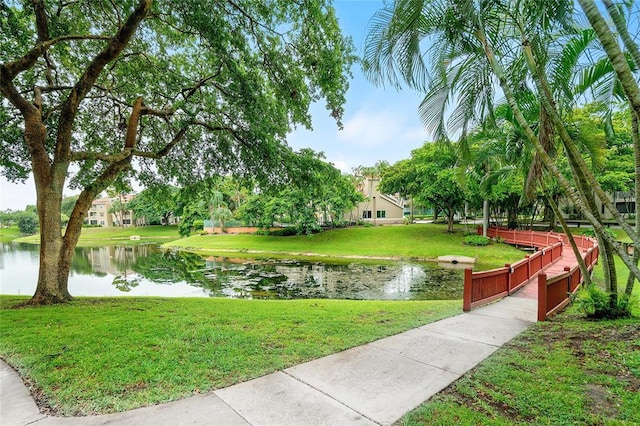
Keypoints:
pixel 366 214
pixel 626 207
pixel 102 222
pixel 381 214
pixel 101 214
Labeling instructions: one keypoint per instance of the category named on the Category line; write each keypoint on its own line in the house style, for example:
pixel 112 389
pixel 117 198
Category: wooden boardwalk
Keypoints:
pixel 568 259
pixel 549 275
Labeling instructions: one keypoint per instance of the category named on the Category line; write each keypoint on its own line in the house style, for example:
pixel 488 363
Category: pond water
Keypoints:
pixel 146 270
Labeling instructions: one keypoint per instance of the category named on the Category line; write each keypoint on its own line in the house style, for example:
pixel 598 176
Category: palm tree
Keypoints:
pixel 475 43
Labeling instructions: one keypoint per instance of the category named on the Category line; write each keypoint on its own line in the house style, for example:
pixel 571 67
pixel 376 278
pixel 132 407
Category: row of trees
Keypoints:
pixel 516 70
pixel 496 167
pixel 318 194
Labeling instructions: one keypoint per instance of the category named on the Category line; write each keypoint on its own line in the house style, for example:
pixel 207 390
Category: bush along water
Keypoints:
pixel 596 303
pixel 476 240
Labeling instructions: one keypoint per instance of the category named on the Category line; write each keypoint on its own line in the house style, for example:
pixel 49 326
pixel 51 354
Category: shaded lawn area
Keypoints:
pixel 119 235
pixel 565 371
pixel 114 354
pixel 420 241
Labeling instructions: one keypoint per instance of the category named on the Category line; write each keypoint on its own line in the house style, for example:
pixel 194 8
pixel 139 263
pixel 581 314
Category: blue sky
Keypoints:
pixel 379 123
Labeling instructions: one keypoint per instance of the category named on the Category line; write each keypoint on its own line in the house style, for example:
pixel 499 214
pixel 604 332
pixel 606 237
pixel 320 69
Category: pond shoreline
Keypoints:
pixel 200 250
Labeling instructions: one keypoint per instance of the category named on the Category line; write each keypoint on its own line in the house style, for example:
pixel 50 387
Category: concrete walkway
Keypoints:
pixel 374 384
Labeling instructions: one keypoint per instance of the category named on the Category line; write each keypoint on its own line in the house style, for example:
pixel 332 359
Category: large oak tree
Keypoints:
pixel 94 90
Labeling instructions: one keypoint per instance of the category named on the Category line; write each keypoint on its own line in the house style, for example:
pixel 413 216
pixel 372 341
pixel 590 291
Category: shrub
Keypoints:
pixel 28 223
pixel 285 232
pixel 591 233
pixel 476 240
pixel 596 303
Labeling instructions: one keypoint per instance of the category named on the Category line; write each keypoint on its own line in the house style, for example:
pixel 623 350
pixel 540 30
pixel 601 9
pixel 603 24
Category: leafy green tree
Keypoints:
pixel 28 222
pixel 67 205
pixel 156 204
pixel 475 44
pixel 187 88
pixel 318 191
pixel 431 177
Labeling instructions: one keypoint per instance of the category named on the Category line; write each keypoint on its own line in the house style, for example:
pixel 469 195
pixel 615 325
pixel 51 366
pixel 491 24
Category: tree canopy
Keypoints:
pixel 95 91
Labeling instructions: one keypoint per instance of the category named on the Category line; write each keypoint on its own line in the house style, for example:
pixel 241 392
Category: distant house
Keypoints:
pixel 377 208
pixel 99 212
pixel 624 202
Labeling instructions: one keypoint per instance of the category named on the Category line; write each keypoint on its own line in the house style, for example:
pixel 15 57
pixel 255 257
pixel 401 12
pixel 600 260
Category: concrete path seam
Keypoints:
pixel 230 407
pixel 465 338
pixel 329 396
pixel 415 359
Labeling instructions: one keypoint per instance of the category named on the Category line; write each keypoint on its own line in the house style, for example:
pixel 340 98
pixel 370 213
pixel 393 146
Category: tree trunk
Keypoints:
pixel 49 288
pixel 635 137
pixel 586 276
pixel 548 162
pixel 485 217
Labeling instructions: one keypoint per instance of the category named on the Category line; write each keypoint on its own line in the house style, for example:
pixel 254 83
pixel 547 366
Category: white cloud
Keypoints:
pixel 373 129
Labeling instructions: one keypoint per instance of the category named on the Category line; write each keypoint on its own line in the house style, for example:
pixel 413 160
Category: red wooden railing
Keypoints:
pixel 554 293
pixel 484 287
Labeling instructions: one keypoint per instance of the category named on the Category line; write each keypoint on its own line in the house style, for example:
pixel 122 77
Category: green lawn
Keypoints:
pixel 102 355
pixel 9 233
pixel 567 371
pixel 426 241
pixel 114 235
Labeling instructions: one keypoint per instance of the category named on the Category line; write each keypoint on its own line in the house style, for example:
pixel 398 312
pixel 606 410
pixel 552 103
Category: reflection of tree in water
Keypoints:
pixel 133 266
pixel 81 263
pixel 167 267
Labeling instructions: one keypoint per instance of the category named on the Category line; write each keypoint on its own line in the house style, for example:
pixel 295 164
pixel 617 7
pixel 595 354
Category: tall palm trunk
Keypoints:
pixel 567 231
pixel 548 162
pixel 635 136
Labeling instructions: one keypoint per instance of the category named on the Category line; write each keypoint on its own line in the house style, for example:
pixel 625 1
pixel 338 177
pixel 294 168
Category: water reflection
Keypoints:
pixel 147 270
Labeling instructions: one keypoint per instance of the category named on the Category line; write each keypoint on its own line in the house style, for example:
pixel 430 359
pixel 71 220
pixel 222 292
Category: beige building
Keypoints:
pixel 377 208
pixel 624 202
pixel 99 212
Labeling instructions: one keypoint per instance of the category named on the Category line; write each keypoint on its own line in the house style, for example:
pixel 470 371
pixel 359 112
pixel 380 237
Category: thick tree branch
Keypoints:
pixel 115 46
pixel 9 91
pixel 100 156
pixel 166 149
pixel 42 23
pixel 29 59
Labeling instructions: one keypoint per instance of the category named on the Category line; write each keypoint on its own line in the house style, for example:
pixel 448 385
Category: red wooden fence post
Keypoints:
pixel 468 289
pixel 568 269
pixel 542 296
pixel 526 256
pixel 508 265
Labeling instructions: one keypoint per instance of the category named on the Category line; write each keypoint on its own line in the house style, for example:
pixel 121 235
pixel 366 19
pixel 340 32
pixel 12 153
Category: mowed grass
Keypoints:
pixel 420 241
pixel 119 235
pixel 566 371
pixel 113 354
pixel 9 233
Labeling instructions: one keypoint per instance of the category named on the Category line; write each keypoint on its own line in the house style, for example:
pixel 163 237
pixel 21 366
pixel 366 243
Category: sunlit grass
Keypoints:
pixel 425 242
pixel 119 235
pixel 113 354
pixel 9 233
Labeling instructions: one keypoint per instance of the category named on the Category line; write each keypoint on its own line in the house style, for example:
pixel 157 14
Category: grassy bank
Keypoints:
pixel 413 241
pixel 115 235
pixel 561 372
pixel 113 354
pixel 9 233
